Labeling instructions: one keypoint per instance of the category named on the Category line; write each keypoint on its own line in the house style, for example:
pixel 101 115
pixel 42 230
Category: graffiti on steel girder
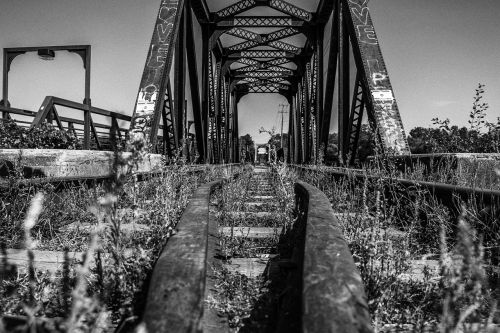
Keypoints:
pixel 151 90
pixel 385 108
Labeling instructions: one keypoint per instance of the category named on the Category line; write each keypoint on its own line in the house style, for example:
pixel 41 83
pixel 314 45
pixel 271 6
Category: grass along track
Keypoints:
pixel 218 274
pixel 424 268
pixel 247 270
pixel 119 228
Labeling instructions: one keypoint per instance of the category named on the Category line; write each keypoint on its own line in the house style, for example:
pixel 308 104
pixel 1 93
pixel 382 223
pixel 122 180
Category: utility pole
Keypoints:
pixel 282 112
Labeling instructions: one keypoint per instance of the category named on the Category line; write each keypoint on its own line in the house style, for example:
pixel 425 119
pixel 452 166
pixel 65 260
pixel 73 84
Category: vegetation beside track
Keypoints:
pixel 46 136
pixel 423 268
pixel 107 289
pixel 250 303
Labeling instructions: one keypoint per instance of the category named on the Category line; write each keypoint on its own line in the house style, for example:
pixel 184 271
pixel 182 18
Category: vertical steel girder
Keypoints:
pixel 170 137
pixel 212 114
pixel 291 132
pixel 330 77
pixel 222 119
pixel 218 118
pixel 227 120
pixel 344 87
pixel 236 136
pixel 379 93
pixel 149 102
pixel 313 105
pixel 304 114
pixel 355 119
pixel 308 112
pixel 207 97
pixel 319 91
pixel 180 79
pixel 299 142
pixel 193 81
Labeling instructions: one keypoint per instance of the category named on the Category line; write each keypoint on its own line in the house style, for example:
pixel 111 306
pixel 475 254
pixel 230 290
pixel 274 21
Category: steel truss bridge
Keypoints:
pixel 268 63
pixel 307 57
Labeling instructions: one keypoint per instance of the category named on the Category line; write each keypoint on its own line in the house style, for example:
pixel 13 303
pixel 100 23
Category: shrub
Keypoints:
pixel 46 136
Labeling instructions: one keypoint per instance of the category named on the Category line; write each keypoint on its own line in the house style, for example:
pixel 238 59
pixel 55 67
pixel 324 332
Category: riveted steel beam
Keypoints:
pixel 381 102
pixel 290 9
pixel 262 54
pixel 271 39
pixel 330 77
pixel 234 9
pixel 355 119
pixel 149 101
pixel 245 34
pixel 263 74
pixel 180 79
pixel 320 86
pixel 323 12
pixel 195 92
pixel 264 21
pixel 344 87
pixel 201 10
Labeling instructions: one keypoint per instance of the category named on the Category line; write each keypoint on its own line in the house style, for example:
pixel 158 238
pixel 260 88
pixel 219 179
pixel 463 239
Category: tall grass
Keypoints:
pixel 423 269
pixel 107 289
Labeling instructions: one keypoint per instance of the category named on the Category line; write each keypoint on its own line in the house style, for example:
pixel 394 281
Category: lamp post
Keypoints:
pixel 49 53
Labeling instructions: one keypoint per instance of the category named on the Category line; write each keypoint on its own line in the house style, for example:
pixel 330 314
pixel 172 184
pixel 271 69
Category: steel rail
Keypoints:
pixel 445 193
pixel 176 292
pixel 332 294
pixel 61 183
pixel 329 292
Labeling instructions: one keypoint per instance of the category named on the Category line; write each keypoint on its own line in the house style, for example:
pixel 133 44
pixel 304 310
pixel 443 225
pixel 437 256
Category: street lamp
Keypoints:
pixel 46 54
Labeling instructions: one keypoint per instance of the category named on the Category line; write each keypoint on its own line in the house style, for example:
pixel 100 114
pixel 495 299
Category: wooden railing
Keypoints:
pixel 95 135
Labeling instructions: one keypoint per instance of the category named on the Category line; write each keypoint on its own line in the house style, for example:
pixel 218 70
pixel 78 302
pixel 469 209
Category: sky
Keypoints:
pixel 436 53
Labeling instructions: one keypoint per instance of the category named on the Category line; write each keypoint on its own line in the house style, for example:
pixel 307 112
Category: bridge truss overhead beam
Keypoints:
pixel 262 22
pixel 266 54
pixel 254 40
pixel 235 9
pixel 290 9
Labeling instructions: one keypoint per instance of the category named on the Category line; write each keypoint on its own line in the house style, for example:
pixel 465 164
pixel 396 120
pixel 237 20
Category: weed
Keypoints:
pixel 395 233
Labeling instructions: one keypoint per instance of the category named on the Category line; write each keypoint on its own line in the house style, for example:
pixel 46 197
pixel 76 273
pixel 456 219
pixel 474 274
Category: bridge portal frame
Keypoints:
pixel 268 71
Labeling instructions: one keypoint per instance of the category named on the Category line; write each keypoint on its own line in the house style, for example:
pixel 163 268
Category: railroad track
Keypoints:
pixel 50 260
pixel 449 195
pixel 312 277
pixel 317 283
pixel 61 182
pixel 314 283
